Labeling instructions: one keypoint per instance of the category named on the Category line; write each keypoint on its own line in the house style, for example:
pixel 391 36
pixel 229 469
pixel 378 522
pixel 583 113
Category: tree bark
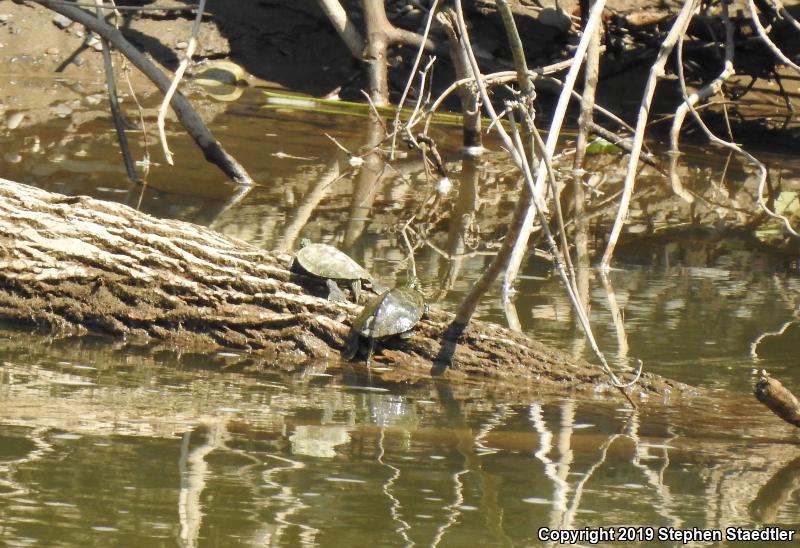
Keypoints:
pixel 76 264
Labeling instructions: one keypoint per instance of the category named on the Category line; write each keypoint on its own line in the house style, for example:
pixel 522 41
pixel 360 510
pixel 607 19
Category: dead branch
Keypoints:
pixel 212 149
pixel 113 101
pixel 344 26
pixel 656 72
pixel 709 90
pixel 778 398
pixel 521 245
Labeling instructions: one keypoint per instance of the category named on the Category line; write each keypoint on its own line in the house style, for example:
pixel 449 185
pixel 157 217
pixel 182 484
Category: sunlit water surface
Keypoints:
pixel 106 444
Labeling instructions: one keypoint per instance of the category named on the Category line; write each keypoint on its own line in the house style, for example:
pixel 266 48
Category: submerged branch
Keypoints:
pixel 778 398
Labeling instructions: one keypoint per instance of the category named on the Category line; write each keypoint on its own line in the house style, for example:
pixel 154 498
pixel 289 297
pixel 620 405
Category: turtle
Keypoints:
pixel 393 312
pixel 332 265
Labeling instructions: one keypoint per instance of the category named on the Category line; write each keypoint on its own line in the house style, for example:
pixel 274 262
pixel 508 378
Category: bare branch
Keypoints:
pixel 656 71
pixel 762 32
pixel 346 29
pixel 212 149
pixel 176 79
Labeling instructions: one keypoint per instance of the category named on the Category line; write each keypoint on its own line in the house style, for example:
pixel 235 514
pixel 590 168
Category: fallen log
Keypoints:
pixel 75 264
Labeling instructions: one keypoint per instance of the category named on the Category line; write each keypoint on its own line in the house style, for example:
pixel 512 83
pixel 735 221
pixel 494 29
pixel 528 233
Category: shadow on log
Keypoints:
pixel 76 264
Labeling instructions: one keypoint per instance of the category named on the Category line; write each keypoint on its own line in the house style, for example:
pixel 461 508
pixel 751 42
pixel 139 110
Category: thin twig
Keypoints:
pixel 411 74
pixel 762 169
pixel 128 8
pixel 212 149
pixel 762 32
pixel 656 71
pixel 569 285
pixel 113 101
pixel 520 246
pixel 162 111
pixel 710 89
pixel 785 14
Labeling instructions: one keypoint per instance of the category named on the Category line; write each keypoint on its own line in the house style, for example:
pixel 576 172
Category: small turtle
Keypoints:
pixel 393 312
pixel 328 263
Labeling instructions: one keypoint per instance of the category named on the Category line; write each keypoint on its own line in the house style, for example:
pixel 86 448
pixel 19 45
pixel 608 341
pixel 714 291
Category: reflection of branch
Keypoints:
pixel 550 469
pixel 472 448
pixel 294 503
pixel 665 501
pixel 616 317
pixel 776 492
pixel 11 487
pixel 777 333
pixel 310 202
pixel 223 206
pixel 569 515
pixel 453 508
pixel 194 471
pixel 394 508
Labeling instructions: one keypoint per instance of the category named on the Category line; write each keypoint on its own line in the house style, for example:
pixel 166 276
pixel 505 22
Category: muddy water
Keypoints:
pixel 107 443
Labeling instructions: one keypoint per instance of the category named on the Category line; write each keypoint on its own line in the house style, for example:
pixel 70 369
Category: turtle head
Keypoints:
pixel 412 282
pixel 305 242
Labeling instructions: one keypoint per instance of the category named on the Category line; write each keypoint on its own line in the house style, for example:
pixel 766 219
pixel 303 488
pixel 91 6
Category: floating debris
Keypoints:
pixel 345 480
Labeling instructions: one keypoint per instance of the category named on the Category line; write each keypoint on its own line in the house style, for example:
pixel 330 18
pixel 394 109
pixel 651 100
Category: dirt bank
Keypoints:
pixel 292 44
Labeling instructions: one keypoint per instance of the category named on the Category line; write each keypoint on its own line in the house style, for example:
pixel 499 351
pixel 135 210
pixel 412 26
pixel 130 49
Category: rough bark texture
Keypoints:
pixel 76 264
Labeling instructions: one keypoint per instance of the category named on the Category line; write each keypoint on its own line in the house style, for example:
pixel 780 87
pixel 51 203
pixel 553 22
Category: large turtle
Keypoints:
pixel 328 263
pixel 393 312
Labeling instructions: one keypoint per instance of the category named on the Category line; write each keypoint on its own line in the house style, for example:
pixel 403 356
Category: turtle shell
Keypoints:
pixel 325 261
pixel 392 312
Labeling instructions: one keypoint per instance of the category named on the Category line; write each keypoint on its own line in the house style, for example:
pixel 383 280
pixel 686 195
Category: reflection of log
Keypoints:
pixel 774 494
pixel 781 401
pixel 77 264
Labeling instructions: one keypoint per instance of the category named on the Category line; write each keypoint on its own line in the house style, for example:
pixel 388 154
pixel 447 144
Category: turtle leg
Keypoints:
pixel 335 292
pixel 356 287
pixel 351 345
pixel 377 288
pixel 406 334
pixel 370 351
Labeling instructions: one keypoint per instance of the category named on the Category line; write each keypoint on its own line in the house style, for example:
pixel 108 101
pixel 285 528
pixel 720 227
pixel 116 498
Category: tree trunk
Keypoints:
pixel 76 264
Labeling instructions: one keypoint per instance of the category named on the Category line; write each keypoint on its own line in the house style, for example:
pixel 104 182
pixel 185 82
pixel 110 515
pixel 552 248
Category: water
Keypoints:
pixel 113 443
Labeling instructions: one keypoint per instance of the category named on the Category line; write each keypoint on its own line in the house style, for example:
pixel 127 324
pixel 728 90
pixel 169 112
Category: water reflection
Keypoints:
pixel 131 452
pixel 118 443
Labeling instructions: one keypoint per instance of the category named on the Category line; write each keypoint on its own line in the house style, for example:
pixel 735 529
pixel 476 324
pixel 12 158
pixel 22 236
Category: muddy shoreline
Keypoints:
pixel 294 47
